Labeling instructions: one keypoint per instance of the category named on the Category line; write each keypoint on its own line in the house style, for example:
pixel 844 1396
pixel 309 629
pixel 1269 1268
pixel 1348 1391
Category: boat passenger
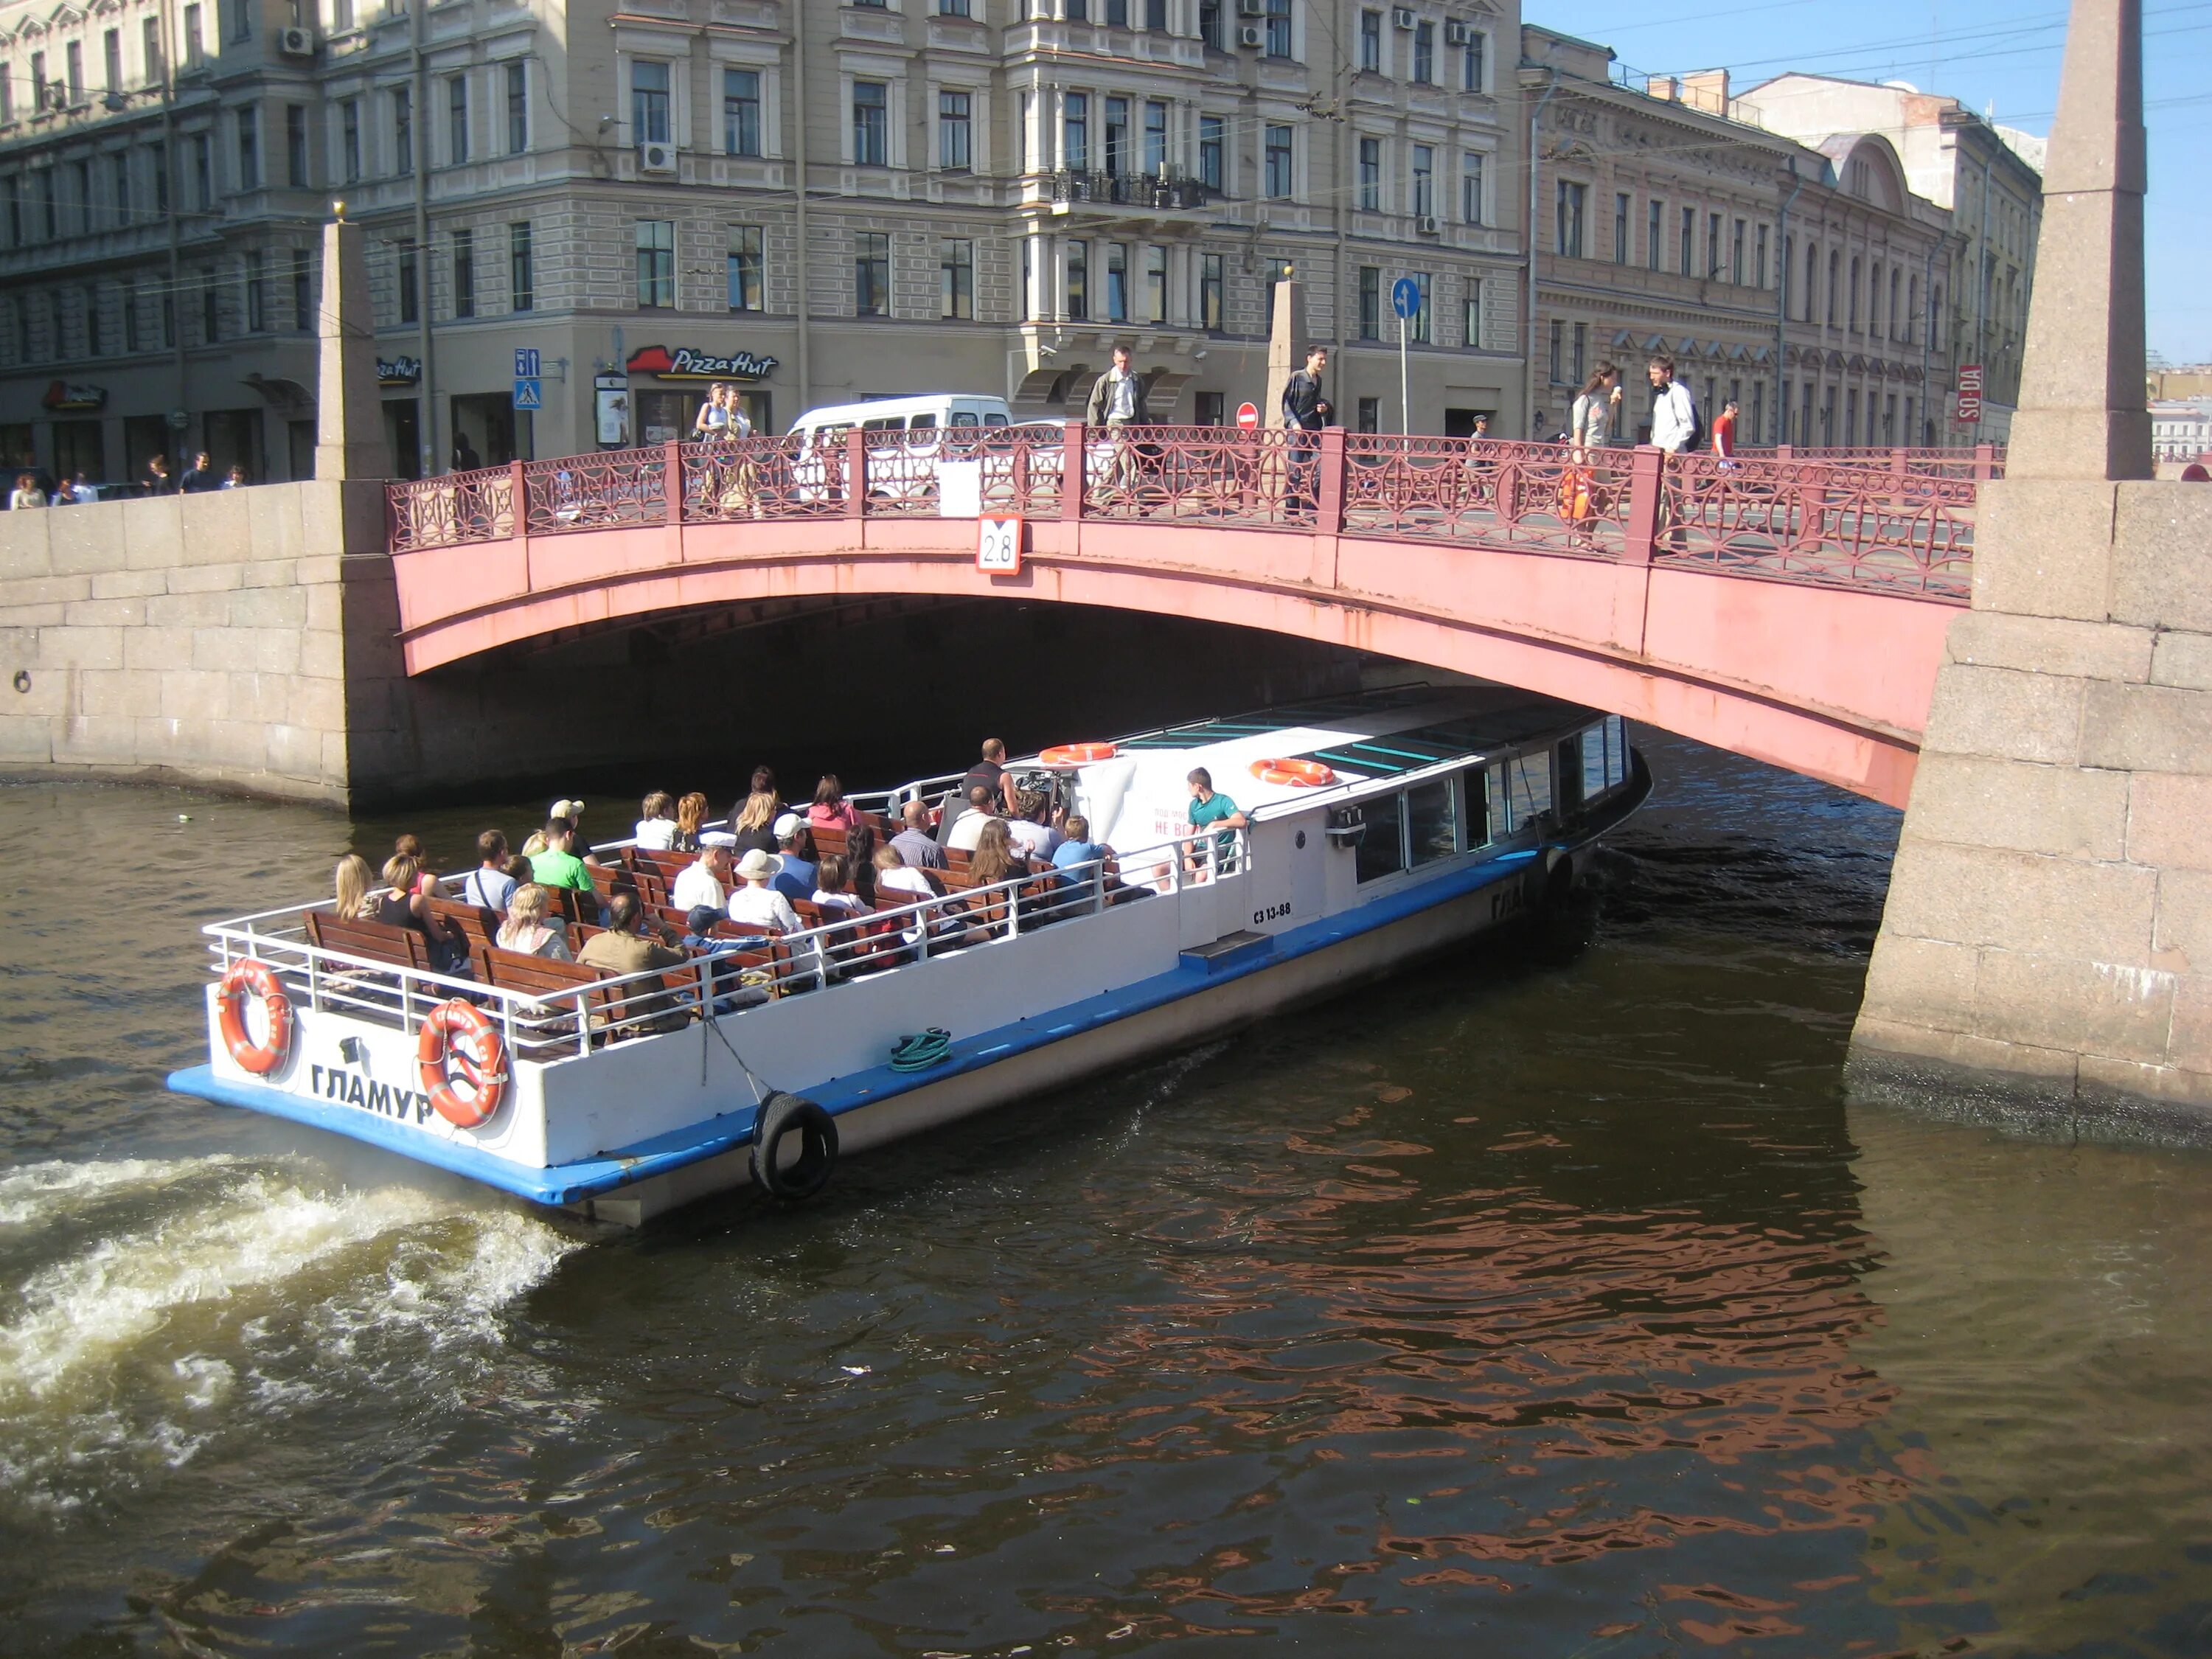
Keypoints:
pixel 518 866
pixel 691 819
pixel 488 886
pixel 656 828
pixel 996 860
pixel 410 846
pixel 752 826
pixel 831 810
pixel 723 977
pixel 534 845
pixel 897 884
pixel 557 866
pixel 1209 806
pixel 833 895
pixel 704 882
pixel 990 772
pixel 1079 850
pixel 405 904
pixel 1028 828
pixel 763 783
pixel 571 810
pixel 699 933
pixel 619 948
pixel 917 846
pixel 354 900
pixel 860 861
pixel 981 813
pixel 527 927
pixel 796 858
pixel 757 904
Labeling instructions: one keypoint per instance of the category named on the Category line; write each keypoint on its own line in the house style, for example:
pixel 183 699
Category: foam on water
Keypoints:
pixel 275 1294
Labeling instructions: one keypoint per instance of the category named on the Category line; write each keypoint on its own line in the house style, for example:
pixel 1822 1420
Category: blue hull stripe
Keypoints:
pixel 566 1183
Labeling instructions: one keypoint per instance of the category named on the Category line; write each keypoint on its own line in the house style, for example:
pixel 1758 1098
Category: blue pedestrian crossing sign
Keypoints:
pixel 529 393
pixel 1405 296
pixel 525 364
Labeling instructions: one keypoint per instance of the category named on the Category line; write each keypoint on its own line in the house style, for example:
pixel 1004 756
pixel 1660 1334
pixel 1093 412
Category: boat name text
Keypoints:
pixel 358 1089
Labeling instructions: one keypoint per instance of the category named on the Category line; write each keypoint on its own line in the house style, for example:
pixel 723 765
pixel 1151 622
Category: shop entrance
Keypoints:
pixel 145 436
pixel 1459 422
pixel 496 431
pixel 234 439
pixel 402 431
pixel 80 447
pixel 662 415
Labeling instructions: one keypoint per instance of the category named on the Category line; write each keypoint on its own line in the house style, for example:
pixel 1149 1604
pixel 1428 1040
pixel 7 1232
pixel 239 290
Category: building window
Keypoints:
pixel 1279 28
pixel 741 111
pixel 1471 315
pixel 111 49
pixel 1713 246
pixel 1558 356
pixel 1873 299
pixel 1425 52
pixel 257 293
pixel 872 273
pixel 1425 180
pixel 341 16
pixel 39 88
pixel 8 93
pixel 402 129
pixel 149 49
pixel 1156 138
pixel 119 187
pixel 1075 132
pixel 656 263
pixel 1209 292
pixel 1851 300
pixel 1759 257
pixel 241 19
pixel 73 71
pixel 1470 188
pixel 1117 283
pixel 465 273
pixel 1369 414
pixel 1689 235
pixel 1736 271
pixel 1371 42
pixel 955 277
pixel 1117 135
pixel 457 119
pixel 1581 354
pixel 953 8
pixel 1573 196
pixel 1370 174
pixel 157 159
pixel 1211 144
pixel 1471 61
pixel 195 51
pixel 518 107
pixel 952 150
pixel 350 138
pixel 747 263
pixel 249 150
pixel 648 101
pixel 1156 285
pixel 1277 148
pixel 295 146
pixel 411 290
pixel 133 335
pixel 521 269
pixel 1417 326
pixel 1835 282
pixel 89 306
pixel 1370 302
pixel 1651 235
pixel 1912 310
pixel 1079 281
pixel 1620 248
pixel 303 295
pixel 202 178
pixel 1212 409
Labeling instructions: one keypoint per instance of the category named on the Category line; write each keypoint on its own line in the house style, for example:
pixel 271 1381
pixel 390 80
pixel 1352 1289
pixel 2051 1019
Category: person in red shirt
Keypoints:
pixel 1724 432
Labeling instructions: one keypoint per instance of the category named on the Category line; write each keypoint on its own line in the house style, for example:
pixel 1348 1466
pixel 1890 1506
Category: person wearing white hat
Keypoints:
pixel 570 810
pixel 757 904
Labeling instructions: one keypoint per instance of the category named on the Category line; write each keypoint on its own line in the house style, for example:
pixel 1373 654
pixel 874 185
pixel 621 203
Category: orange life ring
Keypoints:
pixel 1077 754
pixel 251 975
pixel 459 1029
pixel 1303 775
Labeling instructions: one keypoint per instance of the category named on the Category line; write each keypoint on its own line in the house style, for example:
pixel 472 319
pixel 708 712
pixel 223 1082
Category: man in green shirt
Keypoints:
pixel 1208 807
pixel 558 865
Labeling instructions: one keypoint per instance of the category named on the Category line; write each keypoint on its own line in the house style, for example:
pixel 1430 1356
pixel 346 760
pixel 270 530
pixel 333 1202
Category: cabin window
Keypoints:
pixel 1520 789
pixel 1604 756
pixel 1478 809
pixel 1570 776
pixel 1431 822
pixel 1382 850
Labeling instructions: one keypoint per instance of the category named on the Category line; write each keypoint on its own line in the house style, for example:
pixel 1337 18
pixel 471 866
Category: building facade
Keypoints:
pixel 1798 281
pixel 1990 179
pixel 820 203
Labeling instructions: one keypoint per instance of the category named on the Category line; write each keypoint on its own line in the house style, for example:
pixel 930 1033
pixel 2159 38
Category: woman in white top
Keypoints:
pixel 26 493
pixel 525 928
pixel 656 828
pixel 711 423
pixel 1595 412
pixel 832 897
pixel 757 904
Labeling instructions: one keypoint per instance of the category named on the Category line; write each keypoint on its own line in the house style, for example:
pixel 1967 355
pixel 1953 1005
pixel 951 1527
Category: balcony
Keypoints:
pixel 1125 199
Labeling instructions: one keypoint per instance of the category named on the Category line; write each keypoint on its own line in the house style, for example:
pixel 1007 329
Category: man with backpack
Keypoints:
pixel 1677 429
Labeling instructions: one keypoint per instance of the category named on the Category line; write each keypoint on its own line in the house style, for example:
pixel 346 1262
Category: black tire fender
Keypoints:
pixel 780 1114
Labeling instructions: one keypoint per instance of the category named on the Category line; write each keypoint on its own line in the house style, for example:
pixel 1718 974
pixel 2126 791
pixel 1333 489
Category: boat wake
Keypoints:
pixel 151 1308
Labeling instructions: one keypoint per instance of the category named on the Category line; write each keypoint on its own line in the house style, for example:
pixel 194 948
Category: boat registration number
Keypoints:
pixel 1269 913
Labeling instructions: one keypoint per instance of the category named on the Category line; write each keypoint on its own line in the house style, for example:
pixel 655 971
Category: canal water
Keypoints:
pixel 1553 1299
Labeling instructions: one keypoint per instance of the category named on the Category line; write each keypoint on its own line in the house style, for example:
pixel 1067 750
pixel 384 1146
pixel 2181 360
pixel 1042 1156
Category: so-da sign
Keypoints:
pixel 1969 411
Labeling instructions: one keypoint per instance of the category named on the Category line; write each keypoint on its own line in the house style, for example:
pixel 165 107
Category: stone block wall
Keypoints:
pixel 203 637
pixel 2050 913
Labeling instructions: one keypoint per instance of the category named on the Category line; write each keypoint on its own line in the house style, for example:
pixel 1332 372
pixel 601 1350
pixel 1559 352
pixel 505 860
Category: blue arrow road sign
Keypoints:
pixel 1405 296
pixel 529 394
pixel 525 362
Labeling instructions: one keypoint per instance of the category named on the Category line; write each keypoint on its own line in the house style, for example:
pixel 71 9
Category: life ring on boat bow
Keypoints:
pixel 459 1031
pixel 250 975
pixel 1302 774
pixel 1077 754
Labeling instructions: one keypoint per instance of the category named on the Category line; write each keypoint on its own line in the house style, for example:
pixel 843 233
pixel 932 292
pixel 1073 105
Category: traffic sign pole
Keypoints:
pixel 1405 299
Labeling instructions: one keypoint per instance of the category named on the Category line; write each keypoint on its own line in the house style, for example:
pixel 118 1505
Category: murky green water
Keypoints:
pixel 1552 1300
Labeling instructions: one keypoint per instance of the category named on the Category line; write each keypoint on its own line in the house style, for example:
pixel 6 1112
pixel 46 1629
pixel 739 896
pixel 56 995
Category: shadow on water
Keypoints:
pixel 1548 1297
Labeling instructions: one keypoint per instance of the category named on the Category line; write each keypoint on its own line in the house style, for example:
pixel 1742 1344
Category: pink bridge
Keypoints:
pixel 1789 607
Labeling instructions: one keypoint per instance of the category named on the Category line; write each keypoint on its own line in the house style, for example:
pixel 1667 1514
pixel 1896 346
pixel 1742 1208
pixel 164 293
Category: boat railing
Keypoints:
pixel 744 967
pixel 885 803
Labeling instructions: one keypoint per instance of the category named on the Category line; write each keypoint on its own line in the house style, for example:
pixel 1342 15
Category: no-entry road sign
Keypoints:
pixel 1248 417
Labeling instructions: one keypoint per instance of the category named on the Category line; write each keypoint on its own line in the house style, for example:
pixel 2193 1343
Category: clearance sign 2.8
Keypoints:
pixel 1970 394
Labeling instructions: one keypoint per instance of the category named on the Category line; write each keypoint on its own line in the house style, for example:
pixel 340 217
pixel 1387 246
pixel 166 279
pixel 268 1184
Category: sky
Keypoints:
pixel 1991 56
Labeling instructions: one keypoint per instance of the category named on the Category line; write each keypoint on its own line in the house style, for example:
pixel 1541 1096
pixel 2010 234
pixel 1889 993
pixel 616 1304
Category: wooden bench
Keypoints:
pixel 477 927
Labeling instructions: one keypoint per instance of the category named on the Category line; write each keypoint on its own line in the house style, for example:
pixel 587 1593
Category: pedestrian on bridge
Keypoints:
pixel 1305 411
pixel 1676 429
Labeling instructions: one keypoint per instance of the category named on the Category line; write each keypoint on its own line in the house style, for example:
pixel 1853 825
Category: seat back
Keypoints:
pixel 378 941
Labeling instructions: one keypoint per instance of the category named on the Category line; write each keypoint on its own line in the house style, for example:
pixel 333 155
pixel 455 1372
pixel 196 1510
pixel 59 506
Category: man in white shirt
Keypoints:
pixel 704 881
pixel 757 904
pixel 1117 400
pixel 1027 829
pixel 1673 424
pixel 969 829
pixel 488 886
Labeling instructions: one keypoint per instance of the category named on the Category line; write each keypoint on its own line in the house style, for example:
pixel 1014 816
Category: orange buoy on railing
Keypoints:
pixel 1302 774
pixel 251 976
pixel 461 1029
pixel 1077 754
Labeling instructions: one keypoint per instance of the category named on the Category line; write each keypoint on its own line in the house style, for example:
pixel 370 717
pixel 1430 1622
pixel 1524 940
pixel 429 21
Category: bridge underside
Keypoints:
pixel 1829 683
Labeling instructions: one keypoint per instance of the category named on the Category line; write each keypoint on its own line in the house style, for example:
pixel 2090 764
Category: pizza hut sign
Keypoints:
pixel 685 364
pixel 66 396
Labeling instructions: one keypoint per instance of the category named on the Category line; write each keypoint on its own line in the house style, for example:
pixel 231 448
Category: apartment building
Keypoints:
pixel 1792 278
pixel 1988 176
pixel 821 203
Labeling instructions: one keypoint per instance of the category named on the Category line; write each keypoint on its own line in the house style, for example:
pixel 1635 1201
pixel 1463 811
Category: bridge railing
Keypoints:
pixel 1904 525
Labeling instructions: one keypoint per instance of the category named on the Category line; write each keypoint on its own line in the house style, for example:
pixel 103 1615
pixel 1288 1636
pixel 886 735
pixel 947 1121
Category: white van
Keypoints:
pixel 898 470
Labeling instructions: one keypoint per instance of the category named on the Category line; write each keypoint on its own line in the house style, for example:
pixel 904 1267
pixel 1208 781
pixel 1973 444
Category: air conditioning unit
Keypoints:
pixel 656 156
pixel 1403 17
pixel 1251 8
pixel 1459 34
pixel 1251 36
pixel 296 42
pixel 1426 225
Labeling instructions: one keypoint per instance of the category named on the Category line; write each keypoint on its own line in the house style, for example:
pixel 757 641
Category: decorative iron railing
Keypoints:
pixel 1897 522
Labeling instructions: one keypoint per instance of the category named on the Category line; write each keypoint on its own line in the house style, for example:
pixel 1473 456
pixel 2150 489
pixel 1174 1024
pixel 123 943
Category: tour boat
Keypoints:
pixel 1380 827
